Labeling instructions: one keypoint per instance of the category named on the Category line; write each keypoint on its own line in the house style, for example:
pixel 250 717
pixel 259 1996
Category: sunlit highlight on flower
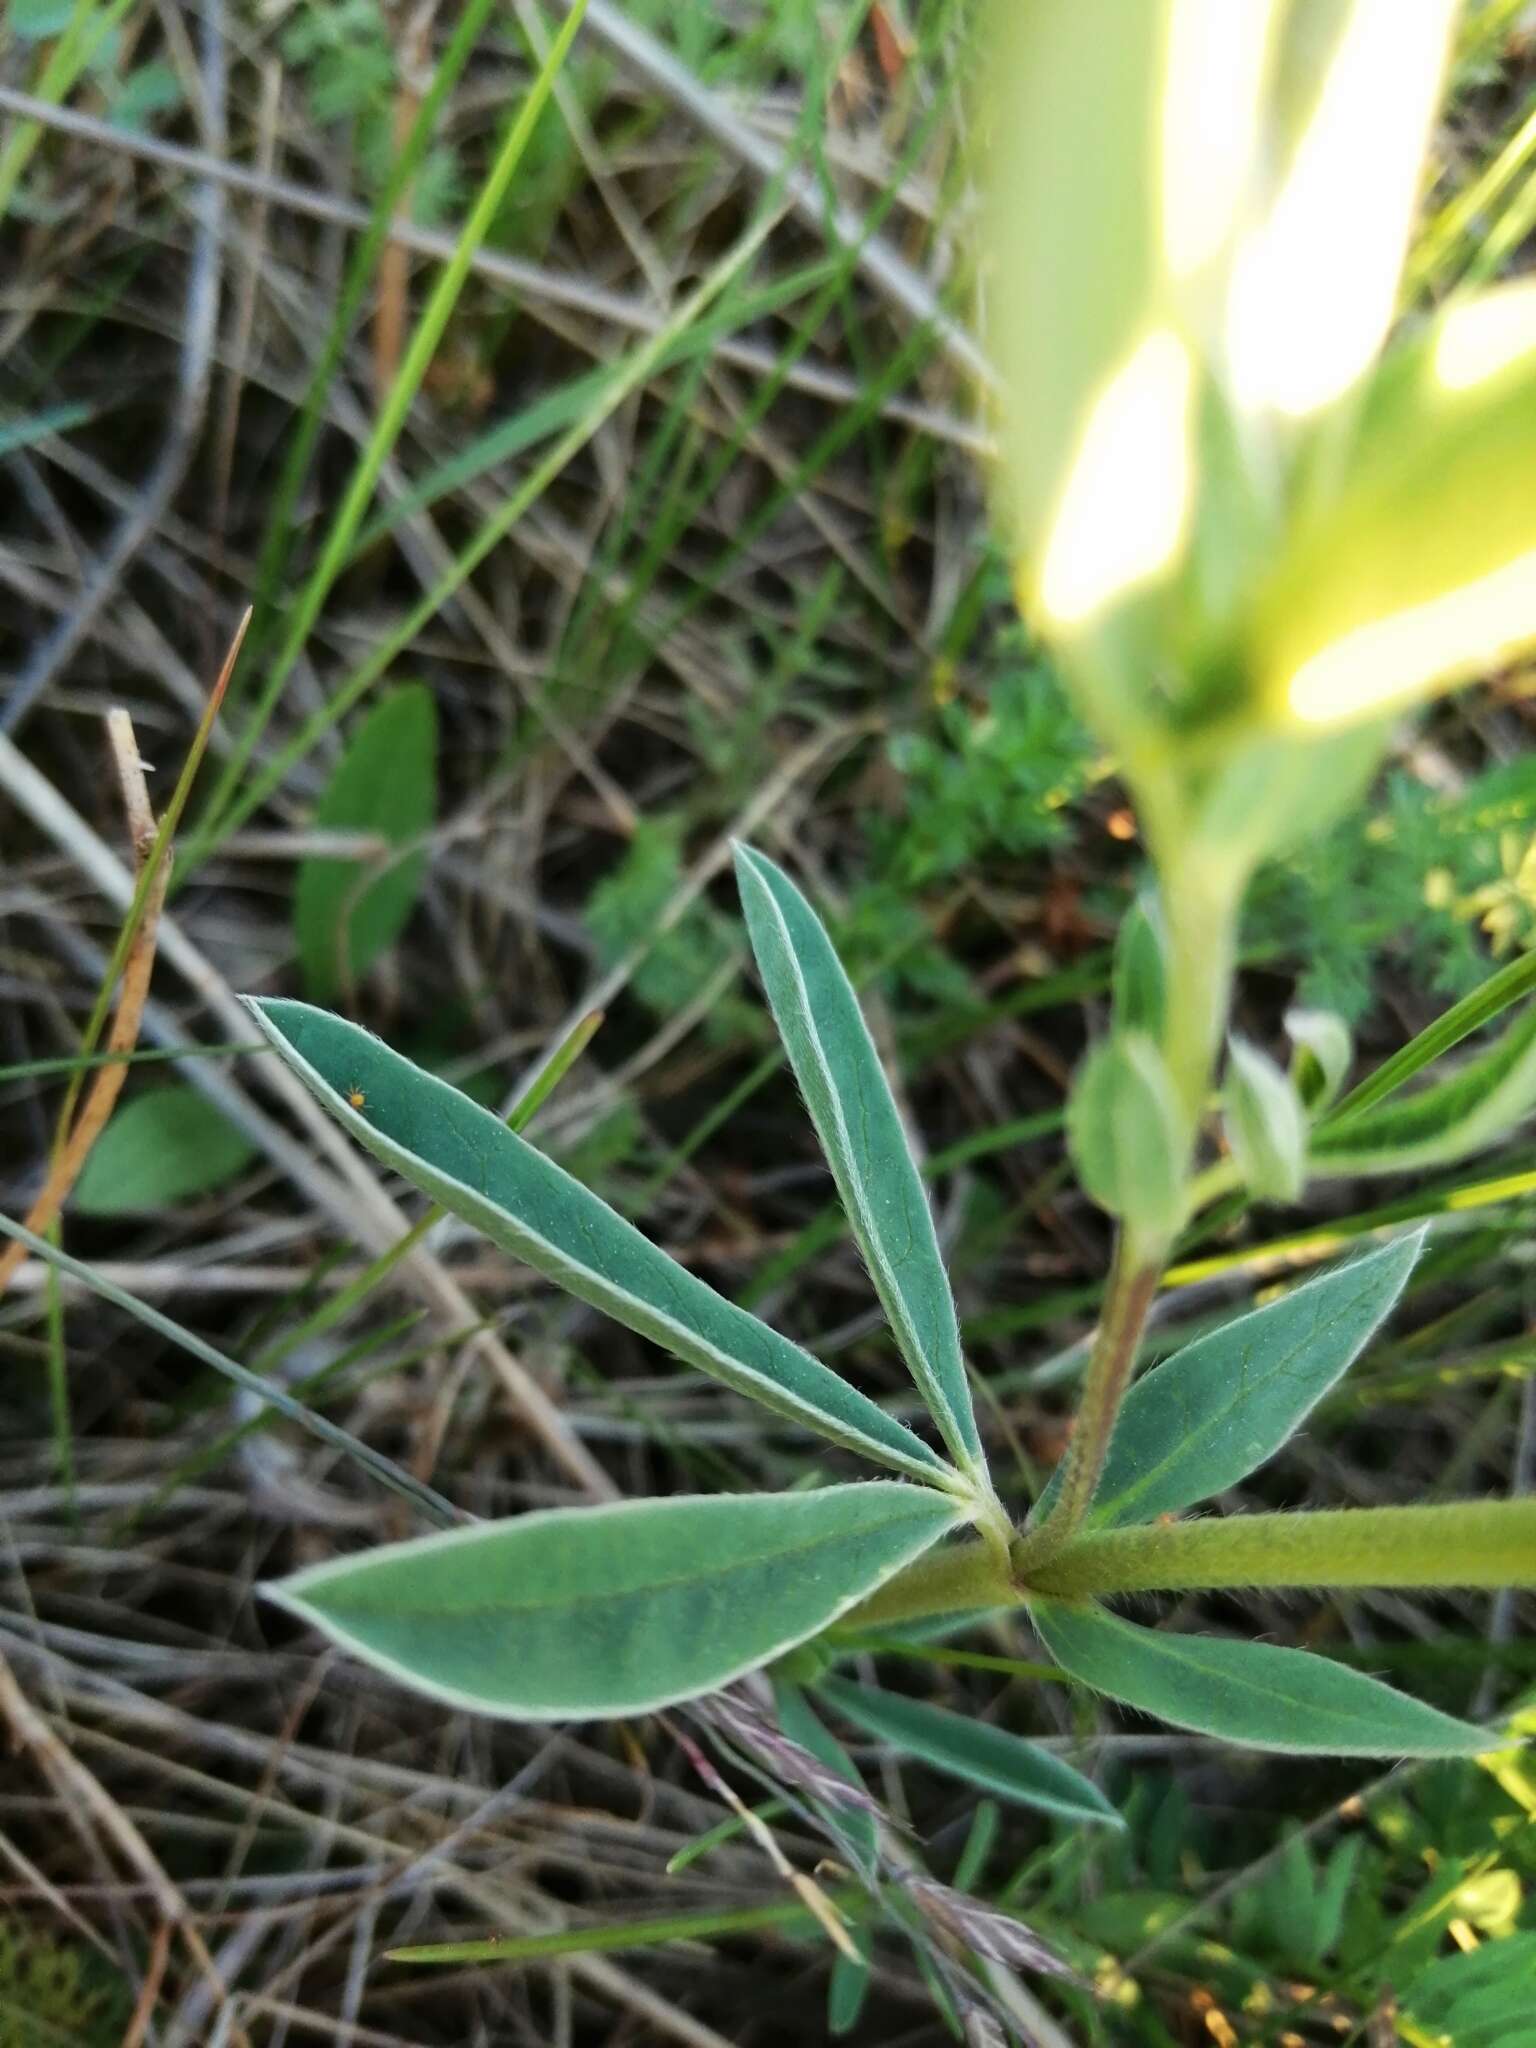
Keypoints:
pixel 1125 509
pixel 1455 635
pixel 1315 286
pixel 1485 336
pixel 1210 118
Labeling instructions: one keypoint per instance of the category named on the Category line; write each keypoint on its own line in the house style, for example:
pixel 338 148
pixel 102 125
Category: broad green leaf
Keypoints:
pixel 1483 1998
pixel 568 1613
pixel 801 1723
pixel 1219 1408
pixel 972 1750
pixel 1251 1693
pixel 162 1146
pixel 1447 1120
pixel 384 784
pixel 466 1159
pixel 839 1072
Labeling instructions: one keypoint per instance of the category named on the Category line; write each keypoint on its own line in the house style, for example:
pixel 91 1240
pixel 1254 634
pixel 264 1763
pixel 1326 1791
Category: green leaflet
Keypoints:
pixel 1325 1051
pixel 385 783
pixel 1480 1999
pixel 1224 1404
pixel 575 1612
pixel 972 1750
pixel 1467 1111
pixel 1265 1123
pixel 163 1146
pixel 1123 1132
pixel 839 1072
pixel 467 1160
pixel 1253 1693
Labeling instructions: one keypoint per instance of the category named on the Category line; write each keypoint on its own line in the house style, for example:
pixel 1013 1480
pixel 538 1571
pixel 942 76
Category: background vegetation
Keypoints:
pixel 628 503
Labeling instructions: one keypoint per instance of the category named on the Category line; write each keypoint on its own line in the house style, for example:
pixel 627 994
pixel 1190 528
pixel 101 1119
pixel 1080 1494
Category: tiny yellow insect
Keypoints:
pixel 356 1098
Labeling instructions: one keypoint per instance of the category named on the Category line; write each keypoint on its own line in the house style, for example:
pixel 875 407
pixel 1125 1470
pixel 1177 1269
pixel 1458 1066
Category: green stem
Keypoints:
pixel 1200 907
pixel 1132 1284
pixel 951 1580
pixel 1463 1543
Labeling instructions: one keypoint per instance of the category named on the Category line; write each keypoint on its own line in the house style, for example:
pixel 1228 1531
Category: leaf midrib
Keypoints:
pixel 570 1602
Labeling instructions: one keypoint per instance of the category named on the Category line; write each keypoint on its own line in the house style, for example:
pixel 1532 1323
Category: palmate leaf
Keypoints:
pixel 1251 1693
pixel 975 1751
pixel 1224 1404
pixel 845 1088
pixel 568 1613
pixel 466 1159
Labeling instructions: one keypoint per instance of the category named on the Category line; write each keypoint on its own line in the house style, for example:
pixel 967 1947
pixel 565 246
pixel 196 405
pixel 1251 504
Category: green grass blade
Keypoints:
pixel 423 346
pixel 382 1468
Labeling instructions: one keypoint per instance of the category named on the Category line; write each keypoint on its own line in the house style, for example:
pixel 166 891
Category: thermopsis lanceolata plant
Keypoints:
pixel 1251 536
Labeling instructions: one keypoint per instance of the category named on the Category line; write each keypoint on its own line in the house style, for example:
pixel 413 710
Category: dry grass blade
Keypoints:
pixel 71 1153
pixel 91 1807
pixel 135 953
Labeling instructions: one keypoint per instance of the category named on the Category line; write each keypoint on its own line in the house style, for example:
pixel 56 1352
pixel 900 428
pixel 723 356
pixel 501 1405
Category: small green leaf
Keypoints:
pixel 148 90
pixel 466 1159
pixel 839 1071
pixel 568 1613
pixel 848 1987
pixel 1219 1408
pixel 1325 1052
pixel 31 21
pixel 161 1147
pixel 1251 1693
pixel 384 784
pixel 1465 1113
pixel 1265 1124
pixel 1123 1130
pixel 1139 980
pixel 974 1751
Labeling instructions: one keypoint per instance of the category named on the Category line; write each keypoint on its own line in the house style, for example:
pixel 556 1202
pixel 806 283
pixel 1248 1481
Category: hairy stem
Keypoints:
pixel 1464 1543
pixel 951 1580
pixel 1132 1284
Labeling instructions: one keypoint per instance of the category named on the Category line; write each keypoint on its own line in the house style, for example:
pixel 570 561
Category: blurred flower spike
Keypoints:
pixel 1253 526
